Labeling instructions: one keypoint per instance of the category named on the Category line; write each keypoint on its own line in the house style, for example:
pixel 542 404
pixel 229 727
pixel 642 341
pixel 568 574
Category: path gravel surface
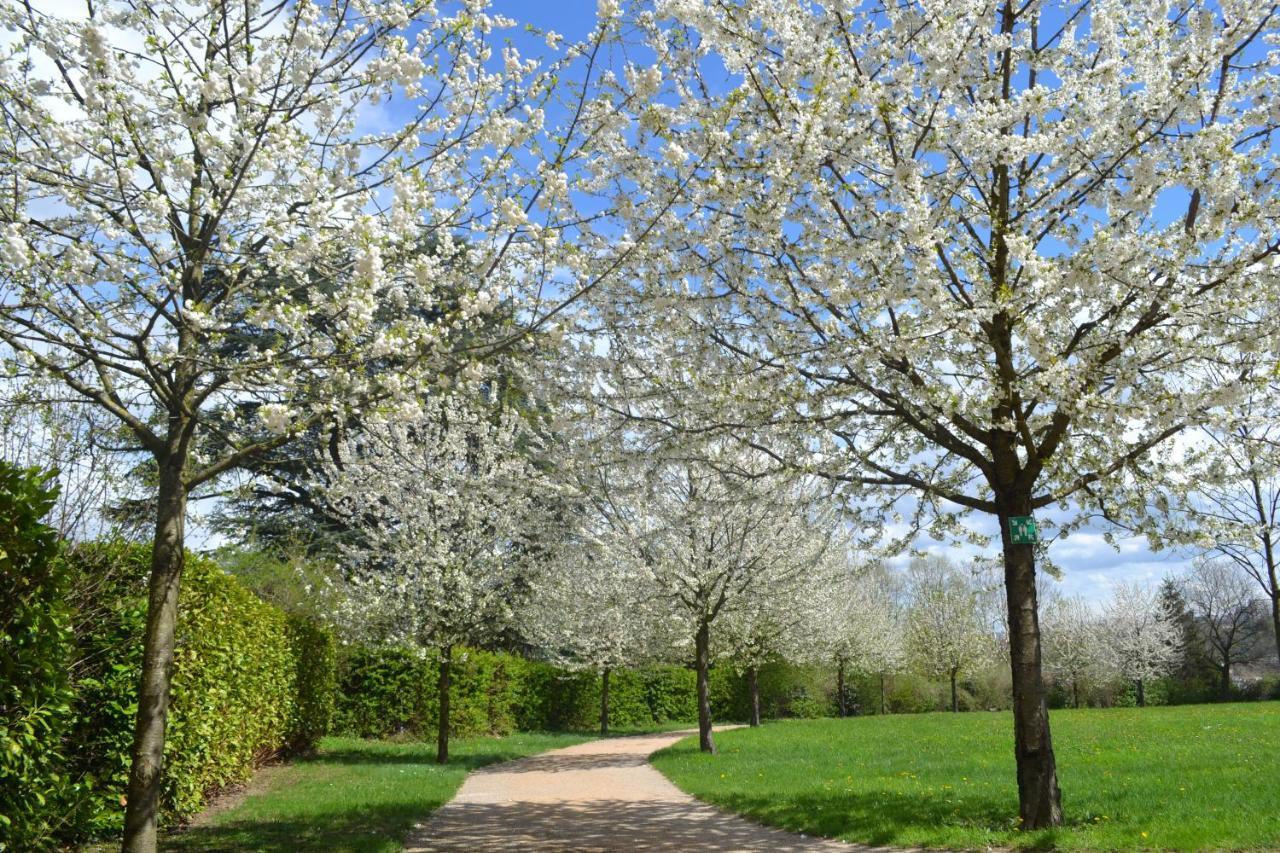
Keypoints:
pixel 597 796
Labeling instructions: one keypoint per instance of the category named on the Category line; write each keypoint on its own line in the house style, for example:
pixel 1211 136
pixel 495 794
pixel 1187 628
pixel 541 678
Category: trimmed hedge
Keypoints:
pixel 248 682
pixel 390 692
pixel 35 643
pixel 315 657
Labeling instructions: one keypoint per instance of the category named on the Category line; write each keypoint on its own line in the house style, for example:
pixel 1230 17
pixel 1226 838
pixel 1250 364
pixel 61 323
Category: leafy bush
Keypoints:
pixel 388 692
pixel 248 682
pixel 234 683
pixel 671 693
pixel 316 664
pixel 35 639
pixel 380 692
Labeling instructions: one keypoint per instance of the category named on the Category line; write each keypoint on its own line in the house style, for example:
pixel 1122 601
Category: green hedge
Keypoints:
pixel 390 692
pixel 35 637
pixel 248 682
pixel 315 657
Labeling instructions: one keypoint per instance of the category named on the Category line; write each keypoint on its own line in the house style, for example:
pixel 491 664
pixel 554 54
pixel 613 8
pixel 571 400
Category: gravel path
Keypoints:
pixel 601 795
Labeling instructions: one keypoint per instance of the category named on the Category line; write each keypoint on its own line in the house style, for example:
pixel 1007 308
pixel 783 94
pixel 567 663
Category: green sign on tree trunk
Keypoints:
pixel 1022 530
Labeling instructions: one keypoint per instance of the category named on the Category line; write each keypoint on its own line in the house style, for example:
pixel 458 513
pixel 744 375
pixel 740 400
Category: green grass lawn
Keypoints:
pixel 1183 778
pixel 354 795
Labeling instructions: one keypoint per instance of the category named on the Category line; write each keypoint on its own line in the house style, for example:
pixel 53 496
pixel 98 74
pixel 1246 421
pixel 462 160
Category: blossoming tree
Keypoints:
pixel 860 626
pixel 983 249
pixel 595 608
pixel 1142 641
pixel 1074 642
pixel 211 208
pixel 447 506
pixel 714 531
pixel 778 622
pixel 946 629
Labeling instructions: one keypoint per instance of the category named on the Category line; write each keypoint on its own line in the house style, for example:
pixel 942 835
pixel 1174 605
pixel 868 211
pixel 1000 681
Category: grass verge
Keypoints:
pixel 353 796
pixel 1172 778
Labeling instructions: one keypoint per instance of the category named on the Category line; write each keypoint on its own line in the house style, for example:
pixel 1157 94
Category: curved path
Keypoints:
pixel 601 795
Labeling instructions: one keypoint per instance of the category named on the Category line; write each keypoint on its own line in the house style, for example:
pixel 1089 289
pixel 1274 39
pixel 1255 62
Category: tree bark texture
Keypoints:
pixel 702 652
pixel 167 558
pixel 955 702
pixel 1039 798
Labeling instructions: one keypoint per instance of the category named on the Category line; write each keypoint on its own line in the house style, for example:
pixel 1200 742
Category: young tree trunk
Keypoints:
pixel 1142 694
pixel 167 557
pixel 955 704
pixel 1275 618
pixel 1269 557
pixel 882 693
pixel 604 702
pixel 1039 799
pixel 840 696
pixel 442 724
pixel 753 685
pixel 1075 693
pixel 702 651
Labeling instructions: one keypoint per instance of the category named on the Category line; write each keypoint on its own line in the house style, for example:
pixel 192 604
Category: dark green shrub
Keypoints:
pixel 388 692
pixel 316 664
pixel 671 694
pixel 35 639
pixel 380 692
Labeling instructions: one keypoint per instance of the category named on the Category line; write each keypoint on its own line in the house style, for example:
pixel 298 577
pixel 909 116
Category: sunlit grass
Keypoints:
pixel 1183 778
pixel 354 795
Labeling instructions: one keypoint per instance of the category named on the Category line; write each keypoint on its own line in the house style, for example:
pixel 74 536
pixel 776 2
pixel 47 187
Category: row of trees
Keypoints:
pixel 948 258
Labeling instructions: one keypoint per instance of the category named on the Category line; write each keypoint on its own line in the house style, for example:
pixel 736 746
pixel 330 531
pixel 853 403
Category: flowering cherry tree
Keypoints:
pixel 1074 642
pixel 714 531
pixel 860 626
pixel 1142 640
pixel 595 608
pixel 446 505
pixel 982 250
pixel 214 208
pixel 946 629
pixel 778 621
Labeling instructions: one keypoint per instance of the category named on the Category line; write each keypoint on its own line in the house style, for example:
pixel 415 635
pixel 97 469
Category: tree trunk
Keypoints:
pixel 840 695
pixel 167 558
pixel 702 648
pixel 955 704
pixel 882 693
pixel 1142 695
pixel 1075 693
pixel 753 685
pixel 1269 557
pixel 604 702
pixel 1226 679
pixel 1275 619
pixel 442 724
pixel 1039 799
